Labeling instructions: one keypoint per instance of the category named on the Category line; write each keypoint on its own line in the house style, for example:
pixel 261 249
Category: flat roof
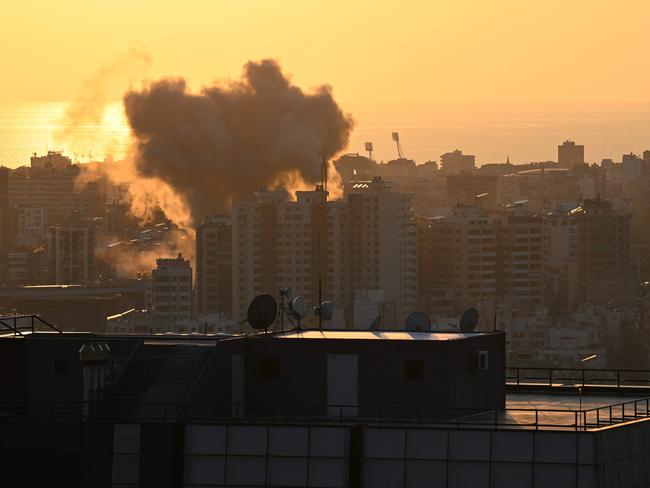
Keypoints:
pixel 376 335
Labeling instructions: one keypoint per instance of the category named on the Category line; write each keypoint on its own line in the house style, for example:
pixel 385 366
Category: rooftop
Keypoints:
pixel 376 335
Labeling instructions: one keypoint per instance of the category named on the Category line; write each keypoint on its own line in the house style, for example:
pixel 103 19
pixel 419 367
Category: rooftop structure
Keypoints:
pixel 197 410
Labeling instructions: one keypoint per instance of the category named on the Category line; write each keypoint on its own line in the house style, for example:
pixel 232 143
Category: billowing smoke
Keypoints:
pixel 228 141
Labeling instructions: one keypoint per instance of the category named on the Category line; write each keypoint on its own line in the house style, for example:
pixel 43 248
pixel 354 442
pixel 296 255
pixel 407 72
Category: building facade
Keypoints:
pixel 214 266
pixel 327 249
pixel 171 290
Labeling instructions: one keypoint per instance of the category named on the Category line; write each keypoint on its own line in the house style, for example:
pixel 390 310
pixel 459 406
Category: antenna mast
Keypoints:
pixel 399 146
pixel 323 172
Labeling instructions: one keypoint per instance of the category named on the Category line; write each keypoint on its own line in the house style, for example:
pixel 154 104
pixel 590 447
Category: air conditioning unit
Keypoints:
pixel 480 360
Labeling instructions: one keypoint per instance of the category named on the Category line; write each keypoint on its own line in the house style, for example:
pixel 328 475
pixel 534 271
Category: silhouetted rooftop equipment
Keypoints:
pixel 469 320
pixel 262 312
pixel 418 322
pixel 376 323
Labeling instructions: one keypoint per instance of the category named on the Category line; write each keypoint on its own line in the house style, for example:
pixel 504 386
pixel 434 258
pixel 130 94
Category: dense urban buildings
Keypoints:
pixel 556 240
pixel 330 249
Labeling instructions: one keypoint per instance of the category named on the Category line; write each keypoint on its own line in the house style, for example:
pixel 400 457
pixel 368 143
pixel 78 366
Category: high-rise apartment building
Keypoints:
pixel 476 256
pixel 171 291
pixel 365 242
pixel 214 266
pixel 51 183
pixel 436 252
pixel 380 248
pixel 606 270
pixel 589 257
pixel 522 257
pixel 570 154
pixel 71 252
pixel 278 243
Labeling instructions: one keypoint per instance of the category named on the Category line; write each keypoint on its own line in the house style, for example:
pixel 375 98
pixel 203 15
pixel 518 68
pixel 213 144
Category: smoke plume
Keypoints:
pixel 81 124
pixel 228 141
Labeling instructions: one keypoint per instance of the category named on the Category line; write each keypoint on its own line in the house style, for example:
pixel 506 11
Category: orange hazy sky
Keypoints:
pixel 398 51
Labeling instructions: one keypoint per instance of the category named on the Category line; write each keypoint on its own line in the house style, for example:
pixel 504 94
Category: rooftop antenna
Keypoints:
pixel 369 148
pixel 323 171
pixel 284 293
pixel 320 285
pixel 399 146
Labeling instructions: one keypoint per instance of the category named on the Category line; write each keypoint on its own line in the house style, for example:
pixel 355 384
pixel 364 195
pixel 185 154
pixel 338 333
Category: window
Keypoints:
pixel 269 368
pixel 413 370
pixel 60 367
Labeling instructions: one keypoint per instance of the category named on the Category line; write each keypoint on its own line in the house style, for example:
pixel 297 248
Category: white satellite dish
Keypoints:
pixel 298 308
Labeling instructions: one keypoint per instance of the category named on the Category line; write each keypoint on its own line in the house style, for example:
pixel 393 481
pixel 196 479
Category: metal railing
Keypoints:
pixel 578 377
pixel 615 414
pixel 25 323
pixel 455 418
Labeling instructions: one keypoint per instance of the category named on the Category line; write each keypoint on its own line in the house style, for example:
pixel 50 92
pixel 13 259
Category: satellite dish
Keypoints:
pixel 418 322
pixel 376 323
pixel 298 308
pixel 325 310
pixel 469 320
pixel 262 312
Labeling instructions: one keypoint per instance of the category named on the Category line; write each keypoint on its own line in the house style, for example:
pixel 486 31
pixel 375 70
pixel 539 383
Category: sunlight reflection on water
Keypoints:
pixel 491 132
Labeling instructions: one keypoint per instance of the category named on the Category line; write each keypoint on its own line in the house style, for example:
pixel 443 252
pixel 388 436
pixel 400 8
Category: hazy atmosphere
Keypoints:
pixel 325 244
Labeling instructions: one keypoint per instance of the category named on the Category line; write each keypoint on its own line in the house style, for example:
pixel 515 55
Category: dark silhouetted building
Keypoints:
pixel 214 266
pixel 570 155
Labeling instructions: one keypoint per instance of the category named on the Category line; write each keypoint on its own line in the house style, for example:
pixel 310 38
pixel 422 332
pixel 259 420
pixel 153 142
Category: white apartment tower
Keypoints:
pixel 363 242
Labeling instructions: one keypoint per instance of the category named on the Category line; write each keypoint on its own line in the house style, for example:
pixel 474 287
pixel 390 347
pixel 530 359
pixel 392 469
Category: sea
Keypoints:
pixel 493 132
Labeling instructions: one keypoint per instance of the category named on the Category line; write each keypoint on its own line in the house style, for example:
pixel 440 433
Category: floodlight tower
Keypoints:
pixel 400 154
pixel 369 148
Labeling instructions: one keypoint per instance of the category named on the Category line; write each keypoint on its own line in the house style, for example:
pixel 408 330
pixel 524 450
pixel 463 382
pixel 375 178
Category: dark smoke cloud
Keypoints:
pixel 233 138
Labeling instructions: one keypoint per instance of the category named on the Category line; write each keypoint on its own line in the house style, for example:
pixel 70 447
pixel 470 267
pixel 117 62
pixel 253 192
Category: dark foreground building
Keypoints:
pixel 311 408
